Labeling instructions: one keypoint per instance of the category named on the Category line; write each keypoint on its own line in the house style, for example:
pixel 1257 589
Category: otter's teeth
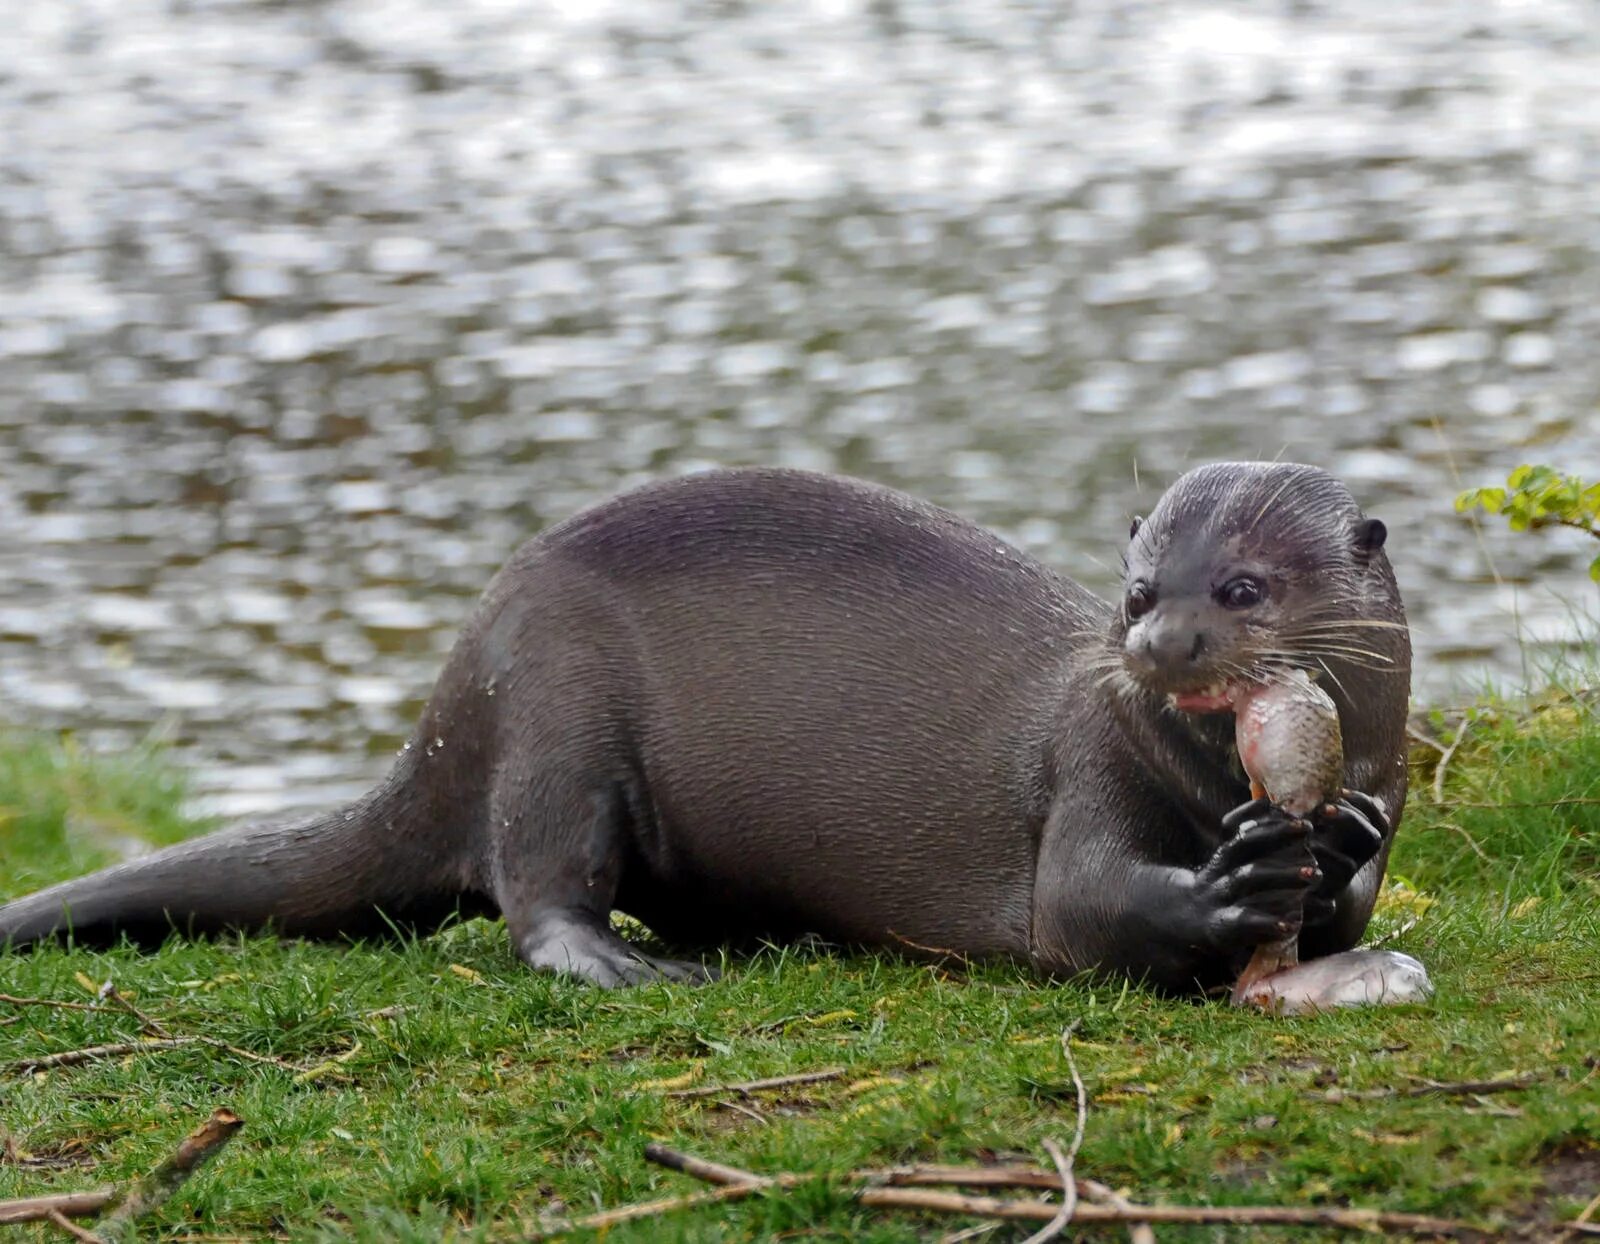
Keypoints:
pixel 1216 692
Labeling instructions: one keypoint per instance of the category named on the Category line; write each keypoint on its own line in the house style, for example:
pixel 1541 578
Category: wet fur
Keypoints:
pixel 761 703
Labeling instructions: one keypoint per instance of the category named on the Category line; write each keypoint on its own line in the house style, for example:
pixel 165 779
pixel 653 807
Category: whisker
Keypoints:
pixel 1335 624
pixel 1344 650
pixel 1311 658
pixel 1329 672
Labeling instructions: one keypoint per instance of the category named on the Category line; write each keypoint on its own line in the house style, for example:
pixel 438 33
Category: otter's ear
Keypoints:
pixel 1133 528
pixel 1369 533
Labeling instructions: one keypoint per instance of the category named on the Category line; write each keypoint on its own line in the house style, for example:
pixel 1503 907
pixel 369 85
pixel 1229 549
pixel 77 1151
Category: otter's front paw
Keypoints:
pixel 1254 887
pixel 1345 834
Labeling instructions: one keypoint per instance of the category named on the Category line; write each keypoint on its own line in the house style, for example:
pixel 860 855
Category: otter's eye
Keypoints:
pixel 1140 600
pixel 1243 592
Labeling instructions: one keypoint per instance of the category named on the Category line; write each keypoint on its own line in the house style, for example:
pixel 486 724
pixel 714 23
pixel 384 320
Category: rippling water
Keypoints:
pixel 311 310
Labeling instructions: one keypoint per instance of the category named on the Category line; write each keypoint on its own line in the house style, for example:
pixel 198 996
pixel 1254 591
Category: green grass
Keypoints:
pixel 494 1094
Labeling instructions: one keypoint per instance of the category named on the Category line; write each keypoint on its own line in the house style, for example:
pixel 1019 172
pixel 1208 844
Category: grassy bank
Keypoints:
pixel 438 1089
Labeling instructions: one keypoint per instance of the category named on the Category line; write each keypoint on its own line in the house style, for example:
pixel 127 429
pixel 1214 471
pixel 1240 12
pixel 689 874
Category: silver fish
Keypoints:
pixel 1289 743
pixel 1353 978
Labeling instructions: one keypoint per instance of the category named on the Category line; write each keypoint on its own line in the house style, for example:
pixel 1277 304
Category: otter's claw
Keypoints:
pixel 1345 835
pixel 578 944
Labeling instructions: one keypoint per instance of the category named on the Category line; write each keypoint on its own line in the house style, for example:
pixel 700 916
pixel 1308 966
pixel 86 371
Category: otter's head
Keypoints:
pixel 1246 568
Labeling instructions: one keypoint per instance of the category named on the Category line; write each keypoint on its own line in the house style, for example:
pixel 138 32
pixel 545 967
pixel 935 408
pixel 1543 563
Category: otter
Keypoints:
pixel 755 704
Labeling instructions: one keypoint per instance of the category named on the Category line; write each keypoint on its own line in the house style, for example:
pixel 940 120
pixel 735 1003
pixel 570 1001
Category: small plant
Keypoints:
pixel 1540 496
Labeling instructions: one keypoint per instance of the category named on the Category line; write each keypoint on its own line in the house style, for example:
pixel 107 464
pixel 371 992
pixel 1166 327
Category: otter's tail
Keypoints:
pixel 359 871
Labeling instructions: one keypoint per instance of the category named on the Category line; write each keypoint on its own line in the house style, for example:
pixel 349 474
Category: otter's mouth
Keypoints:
pixel 1216 698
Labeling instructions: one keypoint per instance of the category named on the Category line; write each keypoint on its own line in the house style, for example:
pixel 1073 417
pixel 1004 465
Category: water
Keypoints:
pixel 311 310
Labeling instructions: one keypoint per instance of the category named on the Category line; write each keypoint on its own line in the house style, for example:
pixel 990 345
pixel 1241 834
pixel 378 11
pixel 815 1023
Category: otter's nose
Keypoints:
pixel 1168 647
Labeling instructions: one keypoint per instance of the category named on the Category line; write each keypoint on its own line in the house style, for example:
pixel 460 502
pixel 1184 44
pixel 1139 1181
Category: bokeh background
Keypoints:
pixel 311 310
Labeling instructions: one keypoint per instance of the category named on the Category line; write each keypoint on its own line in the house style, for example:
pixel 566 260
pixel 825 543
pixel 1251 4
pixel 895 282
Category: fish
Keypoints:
pixel 1287 731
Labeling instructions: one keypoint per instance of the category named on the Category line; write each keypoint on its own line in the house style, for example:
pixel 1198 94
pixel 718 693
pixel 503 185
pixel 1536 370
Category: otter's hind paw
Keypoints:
pixel 576 944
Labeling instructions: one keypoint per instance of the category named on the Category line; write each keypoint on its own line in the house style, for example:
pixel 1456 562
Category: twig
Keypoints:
pixel 1064 1161
pixel 1575 802
pixel 701 1168
pixel 1470 840
pixel 1094 1190
pixel 944 952
pixel 271 1060
pixel 868 1190
pixel 69 1204
pixel 1069 1197
pixel 73 1229
pixel 197 1148
pixel 756 1086
pixel 1446 756
pixel 73 1058
pixel 1581 1224
pixel 50 1002
pixel 1433 1088
pixel 1392 934
pixel 153 1026
pixel 744 1110
pixel 654 1209
pixel 1027 1210
pixel 1423 737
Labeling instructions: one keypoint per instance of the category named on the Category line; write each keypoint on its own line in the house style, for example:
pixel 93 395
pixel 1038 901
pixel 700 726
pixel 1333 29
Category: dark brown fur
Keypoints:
pixel 760 703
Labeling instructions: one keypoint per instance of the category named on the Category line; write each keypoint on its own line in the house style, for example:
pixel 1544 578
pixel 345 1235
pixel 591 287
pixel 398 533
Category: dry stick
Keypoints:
pixel 1138 1232
pixel 1425 738
pixel 72 1228
pixel 51 1002
pixel 1393 934
pixel 39 1208
pixel 1069 1186
pixel 738 1183
pixel 1038 1211
pixel 1446 756
pixel 1575 802
pixel 73 1058
pixel 653 1209
pixel 153 1026
pixel 701 1168
pixel 755 1086
pixel 1470 840
pixel 1433 1088
pixel 1582 1220
pixel 270 1060
pixel 1069 1197
pixel 944 952
pixel 197 1148
pixel 744 1110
